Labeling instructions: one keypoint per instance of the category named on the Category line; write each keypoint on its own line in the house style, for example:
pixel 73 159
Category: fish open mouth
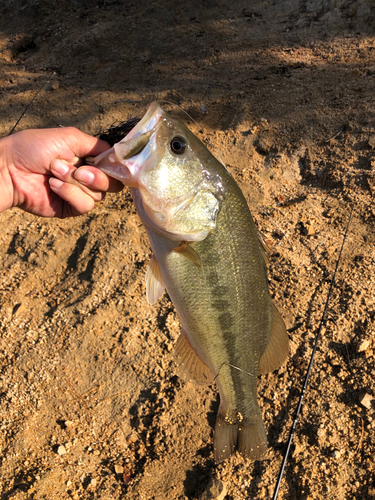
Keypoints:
pixel 123 160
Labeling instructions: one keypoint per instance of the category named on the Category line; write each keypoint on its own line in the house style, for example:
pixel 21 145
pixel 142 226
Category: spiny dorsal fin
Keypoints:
pixel 189 365
pixel 278 346
pixel 154 281
pixel 265 249
pixel 189 253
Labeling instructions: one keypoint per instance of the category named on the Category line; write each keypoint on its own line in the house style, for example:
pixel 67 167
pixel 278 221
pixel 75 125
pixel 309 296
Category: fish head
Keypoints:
pixel 178 191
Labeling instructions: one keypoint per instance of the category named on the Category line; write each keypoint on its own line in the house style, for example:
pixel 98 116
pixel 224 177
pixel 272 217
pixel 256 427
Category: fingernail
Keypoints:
pixel 85 176
pixel 55 183
pixel 59 167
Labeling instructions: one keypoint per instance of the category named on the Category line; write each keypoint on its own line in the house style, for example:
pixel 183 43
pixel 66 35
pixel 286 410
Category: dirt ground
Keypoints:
pixel 90 406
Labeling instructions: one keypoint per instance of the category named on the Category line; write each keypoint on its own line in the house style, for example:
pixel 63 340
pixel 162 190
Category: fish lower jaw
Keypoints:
pixel 120 172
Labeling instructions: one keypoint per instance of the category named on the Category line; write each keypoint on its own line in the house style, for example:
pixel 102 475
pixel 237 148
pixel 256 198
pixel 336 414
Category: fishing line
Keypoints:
pixel 235 367
pixel 27 107
pixel 322 321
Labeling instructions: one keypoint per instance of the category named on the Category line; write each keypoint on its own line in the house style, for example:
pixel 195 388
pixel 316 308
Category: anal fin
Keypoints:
pixel 189 365
pixel 278 346
pixel 154 281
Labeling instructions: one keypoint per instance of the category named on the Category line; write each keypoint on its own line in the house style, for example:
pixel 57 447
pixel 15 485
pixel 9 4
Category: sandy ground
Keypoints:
pixel 90 406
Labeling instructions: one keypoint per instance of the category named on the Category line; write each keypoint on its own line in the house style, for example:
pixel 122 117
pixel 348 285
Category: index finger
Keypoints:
pixel 94 178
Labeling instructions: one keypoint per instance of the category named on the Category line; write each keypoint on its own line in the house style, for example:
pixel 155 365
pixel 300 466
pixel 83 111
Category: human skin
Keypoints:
pixel 42 171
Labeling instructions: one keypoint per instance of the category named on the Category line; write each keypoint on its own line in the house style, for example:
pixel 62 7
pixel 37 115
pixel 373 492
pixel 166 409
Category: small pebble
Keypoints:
pixel 215 490
pixel 61 450
pixel 309 229
pixel 336 454
pixel 119 469
pixel 366 400
pixel 203 108
pixel 362 346
pixel 19 309
pixel 53 85
pixel 298 449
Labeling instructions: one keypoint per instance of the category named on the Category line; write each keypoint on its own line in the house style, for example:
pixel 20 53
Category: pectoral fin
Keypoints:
pixel 154 282
pixel 189 366
pixel 189 253
pixel 278 346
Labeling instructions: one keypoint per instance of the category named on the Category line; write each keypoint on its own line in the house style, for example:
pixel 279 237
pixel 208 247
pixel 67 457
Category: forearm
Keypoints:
pixel 6 185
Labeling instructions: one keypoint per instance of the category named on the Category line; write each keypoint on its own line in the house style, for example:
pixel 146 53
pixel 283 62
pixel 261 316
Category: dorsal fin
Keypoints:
pixel 278 346
pixel 189 365
pixel 154 281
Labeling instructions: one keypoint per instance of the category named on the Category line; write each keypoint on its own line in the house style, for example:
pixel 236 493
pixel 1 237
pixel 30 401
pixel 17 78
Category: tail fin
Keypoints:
pixel 252 440
pixel 249 438
pixel 225 437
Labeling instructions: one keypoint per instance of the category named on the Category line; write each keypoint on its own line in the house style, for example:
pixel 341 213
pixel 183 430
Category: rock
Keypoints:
pixel 6 55
pixel 61 450
pixel 19 309
pixel 362 346
pixel 363 10
pixel 54 85
pixel 336 454
pixel 371 70
pixel 119 469
pixel 309 229
pixel 371 141
pixel 215 490
pixel 366 400
pixel 299 448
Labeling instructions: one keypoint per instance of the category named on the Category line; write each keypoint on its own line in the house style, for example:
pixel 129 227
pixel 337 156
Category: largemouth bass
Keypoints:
pixel 207 255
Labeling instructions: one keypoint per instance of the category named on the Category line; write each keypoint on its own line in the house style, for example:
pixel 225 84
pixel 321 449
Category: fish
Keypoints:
pixel 208 256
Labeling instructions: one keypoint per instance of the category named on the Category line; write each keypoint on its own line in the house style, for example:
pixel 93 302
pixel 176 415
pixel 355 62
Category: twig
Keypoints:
pixel 361 438
pixel 336 135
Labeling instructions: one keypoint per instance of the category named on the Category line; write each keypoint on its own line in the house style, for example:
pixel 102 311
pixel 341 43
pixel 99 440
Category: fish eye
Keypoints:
pixel 178 145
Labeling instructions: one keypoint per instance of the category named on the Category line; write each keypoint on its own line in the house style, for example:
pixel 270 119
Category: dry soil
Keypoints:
pixel 90 405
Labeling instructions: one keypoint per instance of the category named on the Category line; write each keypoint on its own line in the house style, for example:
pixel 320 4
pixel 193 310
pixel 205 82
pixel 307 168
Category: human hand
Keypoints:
pixel 42 172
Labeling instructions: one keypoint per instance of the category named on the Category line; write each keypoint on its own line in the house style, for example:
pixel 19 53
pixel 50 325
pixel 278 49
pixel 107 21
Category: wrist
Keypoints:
pixel 6 185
